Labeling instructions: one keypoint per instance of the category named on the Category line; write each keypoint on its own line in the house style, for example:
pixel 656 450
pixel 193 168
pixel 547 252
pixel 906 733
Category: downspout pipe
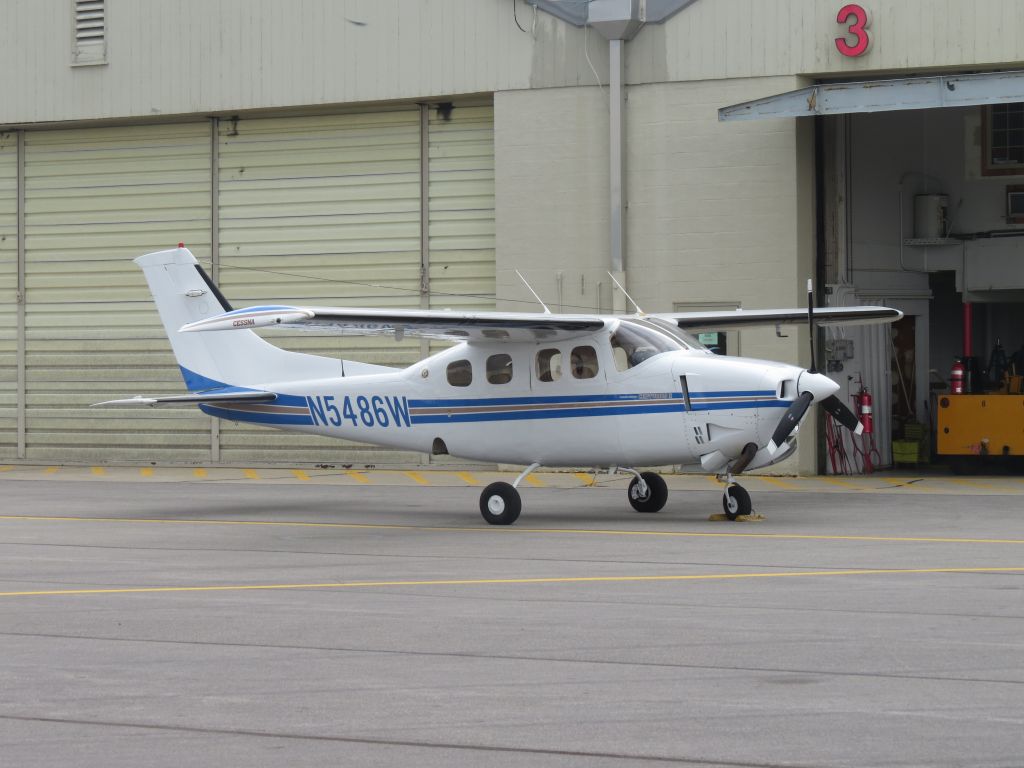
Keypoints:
pixel 618 21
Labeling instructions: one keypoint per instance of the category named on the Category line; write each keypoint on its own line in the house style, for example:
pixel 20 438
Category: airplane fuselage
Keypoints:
pixel 509 404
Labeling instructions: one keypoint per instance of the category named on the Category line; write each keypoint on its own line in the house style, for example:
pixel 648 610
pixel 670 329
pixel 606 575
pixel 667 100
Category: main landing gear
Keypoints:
pixel 500 503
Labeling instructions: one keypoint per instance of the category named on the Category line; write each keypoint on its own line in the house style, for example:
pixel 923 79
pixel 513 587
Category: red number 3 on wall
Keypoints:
pixel 857 20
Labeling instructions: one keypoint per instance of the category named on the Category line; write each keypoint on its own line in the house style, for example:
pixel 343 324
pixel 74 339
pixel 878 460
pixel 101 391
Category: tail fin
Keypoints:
pixel 183 293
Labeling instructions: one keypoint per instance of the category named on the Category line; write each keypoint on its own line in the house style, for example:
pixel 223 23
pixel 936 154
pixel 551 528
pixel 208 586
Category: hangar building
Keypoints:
pixel 393 153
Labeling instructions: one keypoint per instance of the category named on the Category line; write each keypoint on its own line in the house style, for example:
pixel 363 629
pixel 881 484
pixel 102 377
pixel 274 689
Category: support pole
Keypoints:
pixel 616 153
pixel 20 355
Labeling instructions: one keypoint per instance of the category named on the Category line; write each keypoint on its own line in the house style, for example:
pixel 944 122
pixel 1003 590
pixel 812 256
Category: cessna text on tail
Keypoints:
pixel 551 390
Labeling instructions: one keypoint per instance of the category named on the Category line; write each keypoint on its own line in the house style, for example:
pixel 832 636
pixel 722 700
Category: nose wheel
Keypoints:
pixel 736 501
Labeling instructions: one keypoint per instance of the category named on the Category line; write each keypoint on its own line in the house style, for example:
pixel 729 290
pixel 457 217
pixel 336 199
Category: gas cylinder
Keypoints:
pixel 956 377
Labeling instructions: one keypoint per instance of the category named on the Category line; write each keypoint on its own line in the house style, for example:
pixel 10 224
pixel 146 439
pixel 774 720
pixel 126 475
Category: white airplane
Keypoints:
pixel 534 389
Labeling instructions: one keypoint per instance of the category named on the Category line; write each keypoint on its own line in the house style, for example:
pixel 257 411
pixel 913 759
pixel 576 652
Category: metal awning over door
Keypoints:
pixel 884 96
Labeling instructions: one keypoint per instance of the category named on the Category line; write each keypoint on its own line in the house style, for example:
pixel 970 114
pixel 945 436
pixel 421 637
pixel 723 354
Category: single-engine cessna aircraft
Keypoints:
pixel 535 389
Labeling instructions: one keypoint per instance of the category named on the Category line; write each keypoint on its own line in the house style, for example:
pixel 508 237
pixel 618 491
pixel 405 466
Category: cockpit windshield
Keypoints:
pixel 673 330
pixel 635 341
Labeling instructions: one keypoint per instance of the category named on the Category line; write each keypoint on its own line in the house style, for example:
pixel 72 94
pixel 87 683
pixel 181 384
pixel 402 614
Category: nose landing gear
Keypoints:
pixel 736 501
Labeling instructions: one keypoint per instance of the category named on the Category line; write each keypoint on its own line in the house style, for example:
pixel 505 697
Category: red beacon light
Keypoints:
pixel 181 245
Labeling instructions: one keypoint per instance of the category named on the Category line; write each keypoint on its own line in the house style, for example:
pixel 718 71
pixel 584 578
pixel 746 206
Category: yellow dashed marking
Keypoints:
pixel 98 471
pixel 535 481
pixel 513 530
pixel 467 478
pixel 51 470
pixel 585 478
pixel 199 472
pixel 300 474
pixel 6 469
pixel 251 474
pixel 360 476
pixel 778 483
pixel 417 477
pixel 537 580
pixel 146 471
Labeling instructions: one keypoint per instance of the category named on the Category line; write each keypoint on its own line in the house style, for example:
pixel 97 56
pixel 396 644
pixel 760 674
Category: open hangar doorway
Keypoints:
pixel 921 208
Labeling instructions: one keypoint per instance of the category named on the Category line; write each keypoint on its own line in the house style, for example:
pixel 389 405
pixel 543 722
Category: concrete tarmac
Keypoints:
pixel 154 619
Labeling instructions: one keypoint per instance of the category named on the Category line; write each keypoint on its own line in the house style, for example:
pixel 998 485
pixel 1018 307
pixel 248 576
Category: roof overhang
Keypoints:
pixel 593 12
pixel 884 96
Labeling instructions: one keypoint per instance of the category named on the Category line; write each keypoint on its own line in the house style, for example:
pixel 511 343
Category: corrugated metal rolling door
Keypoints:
pixel 321 210
pixel 462 261
pixel 8 291
pixel 95 199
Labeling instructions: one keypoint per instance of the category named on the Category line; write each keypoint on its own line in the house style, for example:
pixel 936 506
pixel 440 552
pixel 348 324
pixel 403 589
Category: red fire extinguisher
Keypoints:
pixel 865 409
pixel 957 378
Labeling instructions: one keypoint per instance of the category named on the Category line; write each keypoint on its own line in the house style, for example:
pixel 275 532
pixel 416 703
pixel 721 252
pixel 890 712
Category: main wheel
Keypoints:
pixel 500 504
pixel 736 502
pixel 655 497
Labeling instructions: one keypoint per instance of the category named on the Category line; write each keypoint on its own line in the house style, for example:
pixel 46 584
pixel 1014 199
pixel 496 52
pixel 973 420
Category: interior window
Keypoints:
pixel 499 369
pixel 460 373
pixel 549 365
pixel 583 361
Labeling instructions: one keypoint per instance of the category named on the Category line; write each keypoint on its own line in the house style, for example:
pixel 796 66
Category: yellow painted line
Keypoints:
pixel 536 482
pixel 251 474
pixel 841 483
pixel 716 481
pixel 585 478
pixel 6 469
pixel 98 471
pixel 300 474
pixel 417 477
pixel 360 476
pixel 977 484
pixel 778 483
pixel 534 580
pixel 199 472
pixel 467 478
pixel 51 470
pixel 146 471
pixel 516 529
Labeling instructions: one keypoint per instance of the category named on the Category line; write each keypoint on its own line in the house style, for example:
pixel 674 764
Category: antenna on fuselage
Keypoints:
pixel 530 289
pixel 631 299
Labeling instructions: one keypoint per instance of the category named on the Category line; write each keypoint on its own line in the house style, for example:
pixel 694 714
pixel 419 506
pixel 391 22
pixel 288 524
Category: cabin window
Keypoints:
pixel 583 361
pixel 549 365
pixel 499 369
pixel 460 373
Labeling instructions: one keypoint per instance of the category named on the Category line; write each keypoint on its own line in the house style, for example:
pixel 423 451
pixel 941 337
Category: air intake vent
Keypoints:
pixel 90 43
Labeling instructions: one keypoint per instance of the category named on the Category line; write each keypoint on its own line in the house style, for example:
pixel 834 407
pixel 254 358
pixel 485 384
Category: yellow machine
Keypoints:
pixel 980 425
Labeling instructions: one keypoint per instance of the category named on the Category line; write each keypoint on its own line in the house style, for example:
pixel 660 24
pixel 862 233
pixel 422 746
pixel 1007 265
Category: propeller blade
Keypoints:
pixel 789 420
pixel 842 413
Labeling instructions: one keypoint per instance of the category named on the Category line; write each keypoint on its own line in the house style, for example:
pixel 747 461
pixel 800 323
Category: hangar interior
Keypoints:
pixel 921 213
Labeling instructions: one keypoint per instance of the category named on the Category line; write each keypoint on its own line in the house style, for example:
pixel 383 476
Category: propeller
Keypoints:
pixel 841 412
pixel 789 420
pixel 810 322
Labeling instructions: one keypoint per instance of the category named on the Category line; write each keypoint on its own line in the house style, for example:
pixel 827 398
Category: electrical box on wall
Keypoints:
pixel 836 351
pixel 1015 204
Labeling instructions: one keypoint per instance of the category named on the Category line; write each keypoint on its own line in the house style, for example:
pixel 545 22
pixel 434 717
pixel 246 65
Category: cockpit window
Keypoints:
pixel 673 330
pixel 633 342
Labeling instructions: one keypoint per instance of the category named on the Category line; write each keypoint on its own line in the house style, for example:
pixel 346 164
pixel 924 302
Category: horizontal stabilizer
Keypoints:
pixel 222 395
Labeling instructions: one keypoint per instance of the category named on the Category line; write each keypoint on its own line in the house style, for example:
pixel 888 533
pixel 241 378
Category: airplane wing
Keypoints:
pixel 738 319
pixel 221 395
pixel 422 323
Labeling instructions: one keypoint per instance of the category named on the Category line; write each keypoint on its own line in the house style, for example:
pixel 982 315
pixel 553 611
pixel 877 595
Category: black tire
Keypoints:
pixel 500 504
pixel 657 493
pixel 736 502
